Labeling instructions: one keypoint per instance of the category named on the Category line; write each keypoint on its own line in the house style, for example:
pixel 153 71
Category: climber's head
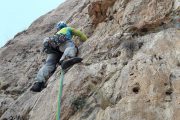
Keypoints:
pixel 60 25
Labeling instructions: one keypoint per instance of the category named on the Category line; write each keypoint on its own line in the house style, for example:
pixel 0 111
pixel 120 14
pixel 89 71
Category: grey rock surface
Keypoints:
pixel 130 68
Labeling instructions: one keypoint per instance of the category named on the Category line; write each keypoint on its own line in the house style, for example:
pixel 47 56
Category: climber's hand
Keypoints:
pixel 60 62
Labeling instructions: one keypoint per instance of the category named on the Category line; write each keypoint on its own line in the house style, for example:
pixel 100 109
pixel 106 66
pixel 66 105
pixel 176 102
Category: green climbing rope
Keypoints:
pixel 59 95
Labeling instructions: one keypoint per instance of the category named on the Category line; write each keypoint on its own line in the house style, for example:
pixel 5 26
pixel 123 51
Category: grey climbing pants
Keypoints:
pixel 69 53
pixel 49 67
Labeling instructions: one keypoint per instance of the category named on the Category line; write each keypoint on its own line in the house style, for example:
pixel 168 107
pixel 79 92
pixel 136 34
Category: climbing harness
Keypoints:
pixel 59 95
pixel 60 39
pixel 50 46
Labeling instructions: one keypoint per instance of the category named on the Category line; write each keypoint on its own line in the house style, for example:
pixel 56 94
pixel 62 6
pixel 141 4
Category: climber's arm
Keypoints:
pixel 79 34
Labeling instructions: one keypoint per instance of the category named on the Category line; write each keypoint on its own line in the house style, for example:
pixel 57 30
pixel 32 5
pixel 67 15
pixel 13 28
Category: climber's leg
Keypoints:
pixel 69 57
pixel 68 63
pixel 69 53
pixel 46 71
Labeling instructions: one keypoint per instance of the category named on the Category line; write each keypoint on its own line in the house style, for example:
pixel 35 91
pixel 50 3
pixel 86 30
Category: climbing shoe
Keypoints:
pixel 68 63
pixel 37 87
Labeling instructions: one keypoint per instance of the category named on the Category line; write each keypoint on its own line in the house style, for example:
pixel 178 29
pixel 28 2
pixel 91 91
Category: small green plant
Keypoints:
pixel 79 102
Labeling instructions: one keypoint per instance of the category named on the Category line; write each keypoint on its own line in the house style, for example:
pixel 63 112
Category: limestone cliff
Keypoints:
pixel 130 71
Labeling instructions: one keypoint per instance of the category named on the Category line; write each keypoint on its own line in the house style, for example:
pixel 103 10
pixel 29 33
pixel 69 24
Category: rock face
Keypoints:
pixel 131 66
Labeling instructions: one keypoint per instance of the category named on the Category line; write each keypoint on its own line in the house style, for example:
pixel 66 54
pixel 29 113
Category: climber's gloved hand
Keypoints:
pixel 60 62
pixel 46 45
pixel 45 49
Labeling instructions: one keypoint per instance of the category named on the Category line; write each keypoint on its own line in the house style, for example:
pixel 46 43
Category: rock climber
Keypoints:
pixel 61 49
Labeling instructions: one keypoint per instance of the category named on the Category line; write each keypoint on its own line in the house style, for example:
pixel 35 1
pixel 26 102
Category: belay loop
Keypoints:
pixel 58 117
